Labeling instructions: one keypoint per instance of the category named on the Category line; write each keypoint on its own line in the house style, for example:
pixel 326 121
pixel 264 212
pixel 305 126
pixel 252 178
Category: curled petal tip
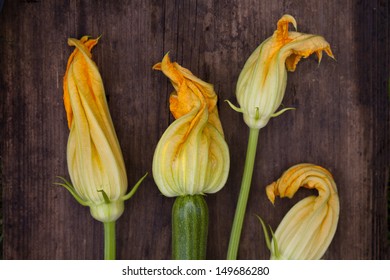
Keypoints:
pixel 85 38
pixel 165 60
pixel 71 41
pixel 282 25
pixel 319 56
pixel 290 19
pixel 270 191
pixel 157 66
pixel 328 51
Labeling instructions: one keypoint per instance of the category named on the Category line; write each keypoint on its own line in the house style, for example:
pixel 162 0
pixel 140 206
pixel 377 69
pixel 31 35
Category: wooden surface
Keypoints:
pixel 341 121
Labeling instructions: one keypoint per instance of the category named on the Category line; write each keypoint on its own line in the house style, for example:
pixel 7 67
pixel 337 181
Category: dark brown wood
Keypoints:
pixel 341 121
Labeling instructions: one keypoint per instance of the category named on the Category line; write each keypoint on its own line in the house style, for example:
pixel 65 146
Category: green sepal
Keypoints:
pixel 234 107
pixel 134 189
pixel 281 112
pixel 276 248
pixel 67 185
pixel 268 240
pixel 105 196
pixel 266 235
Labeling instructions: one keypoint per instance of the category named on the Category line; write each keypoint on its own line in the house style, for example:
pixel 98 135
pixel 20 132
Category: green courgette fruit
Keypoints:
pixel 190 220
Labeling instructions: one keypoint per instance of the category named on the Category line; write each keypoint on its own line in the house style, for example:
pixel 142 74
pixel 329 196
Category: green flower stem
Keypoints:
pixel 109 241
pixel 244 193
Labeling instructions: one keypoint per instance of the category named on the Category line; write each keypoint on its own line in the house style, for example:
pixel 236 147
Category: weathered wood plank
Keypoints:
pixel 341 121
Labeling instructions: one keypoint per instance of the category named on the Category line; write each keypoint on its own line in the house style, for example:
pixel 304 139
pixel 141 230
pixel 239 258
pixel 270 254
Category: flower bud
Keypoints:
pixel 192 156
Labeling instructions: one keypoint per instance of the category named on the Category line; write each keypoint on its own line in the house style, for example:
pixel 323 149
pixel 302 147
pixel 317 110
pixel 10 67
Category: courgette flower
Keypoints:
pixel 262 81
pixel 308 228
pixel 95 161
pixel 192 156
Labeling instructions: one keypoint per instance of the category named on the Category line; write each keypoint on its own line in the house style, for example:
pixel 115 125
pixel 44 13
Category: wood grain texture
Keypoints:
pixel 341 121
